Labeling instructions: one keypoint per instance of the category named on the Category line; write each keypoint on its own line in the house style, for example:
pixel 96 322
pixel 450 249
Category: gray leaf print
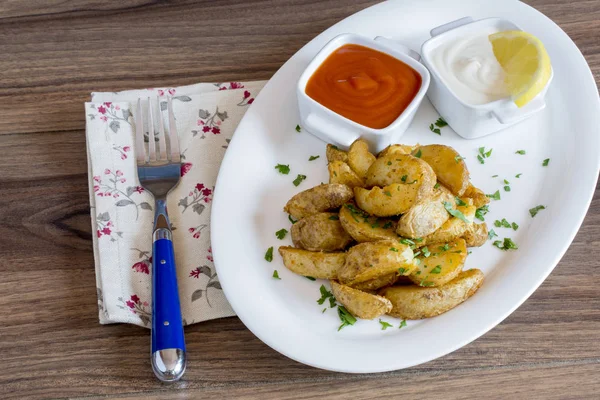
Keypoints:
pixel 92 117
pixel 103 216
pixel 126 114
pixel 114 125
pixel 198 208
pixel 145 319
pixel 205 269
pixel 203 114
pixel 145 206
pixel 130 190
pixel 163 105
pixel 222 116
pixel 183 202
pixel 197 295
pixel 183 98
pixel 123 203
pixel 215 284
pixel 99 294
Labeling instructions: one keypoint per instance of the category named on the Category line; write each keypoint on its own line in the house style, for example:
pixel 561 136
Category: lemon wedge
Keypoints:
pixel 525 61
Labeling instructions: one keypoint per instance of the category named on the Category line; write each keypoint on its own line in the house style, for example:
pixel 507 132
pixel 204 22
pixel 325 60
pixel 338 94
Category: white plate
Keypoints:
pixel 250 195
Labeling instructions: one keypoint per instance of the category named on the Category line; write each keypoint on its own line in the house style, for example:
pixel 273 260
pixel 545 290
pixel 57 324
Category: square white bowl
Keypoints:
pixel 468 120
pixel 341 131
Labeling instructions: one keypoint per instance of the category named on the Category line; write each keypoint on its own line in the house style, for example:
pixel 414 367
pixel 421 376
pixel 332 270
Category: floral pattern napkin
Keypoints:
pixel 122 211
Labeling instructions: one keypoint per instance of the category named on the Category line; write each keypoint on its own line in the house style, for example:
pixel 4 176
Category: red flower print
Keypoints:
pixel 246 94
pixel 96 188
pixel 107 171
pixel 236 85
pixel 205 191
pixel 191 230
pixel 209 258
pixel 123 156
pixel 123 180
pixel 103 118
pixel 145 304
pixel 185 168
pixel 250 101
pixel 199 186
pixel 216 130
pixel 222 88
pixel 106 231
pixel 119 173
pixel 116 195
pixel 109 223
pixel 107 103
pixel 195 272
pixel 117 108
pixel 171 92
pixel 207 199
pixel 210 250
pixel 130 304
pixel 98 233
pixel 126 149
pixel 138 189
pixel 161 92
pixel 134 298
pixel 197 235
pixel 205 129
pixel 102 109
pixel 142 267
pixel 191 194
pixel 97 178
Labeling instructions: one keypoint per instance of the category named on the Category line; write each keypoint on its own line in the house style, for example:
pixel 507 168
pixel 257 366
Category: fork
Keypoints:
pixel 159 170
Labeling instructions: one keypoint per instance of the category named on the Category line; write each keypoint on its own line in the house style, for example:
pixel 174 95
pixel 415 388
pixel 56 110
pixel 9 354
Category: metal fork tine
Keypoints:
pixel 151 138
pixel 173 137
pixel 162 144
pixel 140 151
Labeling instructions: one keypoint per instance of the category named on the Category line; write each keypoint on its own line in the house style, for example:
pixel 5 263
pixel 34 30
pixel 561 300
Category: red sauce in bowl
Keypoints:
pixel 364 85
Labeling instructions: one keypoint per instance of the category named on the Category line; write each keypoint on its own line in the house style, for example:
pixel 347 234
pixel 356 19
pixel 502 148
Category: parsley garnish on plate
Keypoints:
pixel 441 122
pixel 507 188
pixel 283 169
pixel 394 249
pixel 276 274
pixel 454 212
pixel 291 219
pixel 281 233
pixel 425 251
pixel 495 196
pixel 310 278
pixel 299 179
pixel 401 270
pixel 518 175
pixel 506 182
pixel 507 244
pixel 436 186
pixel 387 193
pixel 418 153
pixel 459 202
pixel 494 176
pixel 436 270
pixel 325 294
pixel 433 129
pixel 491 234
pixel 404 177
pixel 385 325
pixel 269 254
pixel 311 158
pixel 402 324
pixel 483 154
pixel 334 218
pixel 515 226
pixel 481 211
pixel 445 247
pixel 298 128
pixel 545 162
pixel 533 211
pixel 458 159
pixel 345 316
pixel 521 152
pixel 504 223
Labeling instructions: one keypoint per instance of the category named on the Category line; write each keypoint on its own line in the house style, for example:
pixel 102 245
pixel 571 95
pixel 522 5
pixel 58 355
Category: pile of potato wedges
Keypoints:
pixel 391 231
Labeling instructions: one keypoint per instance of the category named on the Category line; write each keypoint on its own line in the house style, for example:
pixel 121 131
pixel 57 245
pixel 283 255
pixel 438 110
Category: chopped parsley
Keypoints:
pixel 545 162
pixel 441 122
pixel 455 213
pixel 325 309
pixel 281 233
pixel 402 324
pixel 385 325
pixel 299 179
pixel 507 188
pixel 325 294
pixel 481 160
pixel 504 223
pixel 491 234
pixel 283 169
pixel 269 254
pixel 533 211
pixel 394 249
pixel 426 284
pixel 310 278
pixel 387 225
pixel 518 175
pixel 387 193
pixel 459 202
pixel 404 177
pixel 345 316
pixel 507 244
pixel 521 152
pixel 389 163
pixel 298 129
pixel 276 274
pixel 291 219
pixel 458 159
pixel 334 218
pixel 407 242
pixel 312 158
pixel 425 251
pixel 445 247
pixel 436 186
pixel 433 129
pixel 481 211
pixel 506 182
pixel 483 154
pixel 418 153
pixel 436 270
pixel 401 270
pixel 515 226
pixel 495 196
pixel 494 176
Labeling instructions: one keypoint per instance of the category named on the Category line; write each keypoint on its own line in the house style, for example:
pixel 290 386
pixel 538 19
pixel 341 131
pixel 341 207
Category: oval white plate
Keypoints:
pixel 250 195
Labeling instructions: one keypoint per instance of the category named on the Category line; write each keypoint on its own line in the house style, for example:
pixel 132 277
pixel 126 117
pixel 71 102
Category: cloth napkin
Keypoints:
pixel 122 211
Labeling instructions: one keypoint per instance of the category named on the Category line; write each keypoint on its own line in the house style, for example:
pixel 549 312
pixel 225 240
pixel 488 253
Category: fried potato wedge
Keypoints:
pixel 360 158
pixel 359 303
pixel 450 168
pixel 427 216
pixel 444 263
pixel 400 168
pixel 415 302
pixel 340 172
pixel 370 260
pixel 335 154
pixel 476 235
pixel 390 200
pixel 453 228
pixel 479 198
pixel 396 149
pixel 315 264
pixel 378 283
pixel 318 199
pixel 320 232
pixel 364 227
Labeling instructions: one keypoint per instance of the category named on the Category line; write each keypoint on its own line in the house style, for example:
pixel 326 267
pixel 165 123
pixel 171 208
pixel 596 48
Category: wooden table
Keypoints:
pixel 53 54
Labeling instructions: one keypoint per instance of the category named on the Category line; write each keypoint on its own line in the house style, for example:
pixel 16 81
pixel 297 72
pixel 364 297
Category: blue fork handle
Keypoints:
pixel 168 344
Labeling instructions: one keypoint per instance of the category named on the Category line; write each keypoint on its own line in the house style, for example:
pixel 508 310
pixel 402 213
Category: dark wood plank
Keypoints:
pixel 54 54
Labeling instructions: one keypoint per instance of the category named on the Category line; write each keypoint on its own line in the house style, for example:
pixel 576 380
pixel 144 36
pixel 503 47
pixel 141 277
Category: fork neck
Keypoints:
pixel 161 218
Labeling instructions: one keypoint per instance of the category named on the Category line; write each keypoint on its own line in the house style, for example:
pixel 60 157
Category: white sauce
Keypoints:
pixel 470 69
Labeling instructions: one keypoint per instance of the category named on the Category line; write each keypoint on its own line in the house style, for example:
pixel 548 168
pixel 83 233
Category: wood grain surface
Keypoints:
pixel 53 54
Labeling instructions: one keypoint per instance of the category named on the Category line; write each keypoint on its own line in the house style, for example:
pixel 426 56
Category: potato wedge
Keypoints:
pixel 359 303
pixel 378 283
pixel 320 232
pixel 396 149
pixel 318 199
pixel 451 229
pixel 476 235
pixel 311 263
pixel 364 227
pixel 390 200
pixel 479 198
pixel 400 168
pixel 427 216
pixel 335 154
pixel 360 158
pixel 444 263
pixel 450 168
pixel 414 302
pixel 370 260
pixel 340 172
